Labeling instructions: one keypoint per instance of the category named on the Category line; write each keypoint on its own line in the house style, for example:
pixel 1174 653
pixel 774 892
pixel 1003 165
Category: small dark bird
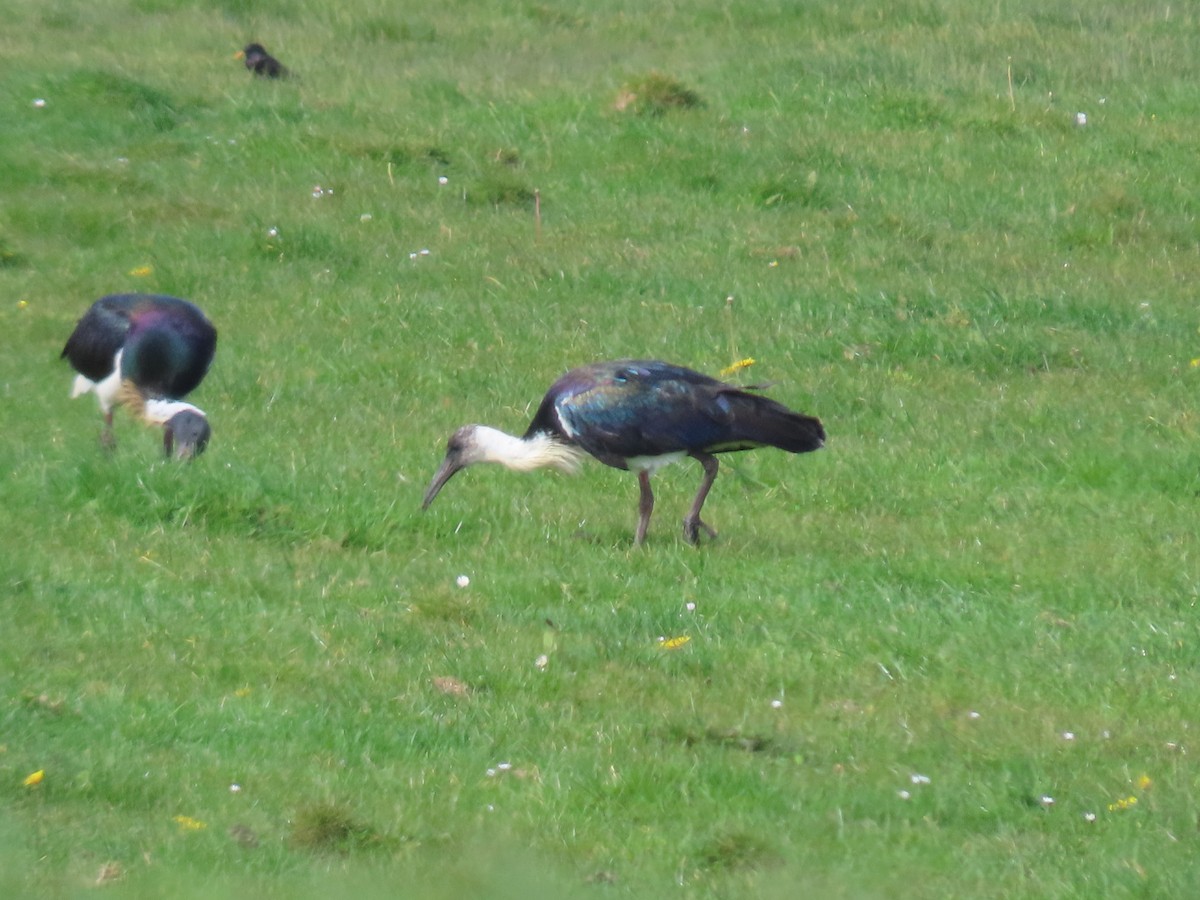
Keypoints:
pixel 262 63
pixel 637 415
pixel 148 352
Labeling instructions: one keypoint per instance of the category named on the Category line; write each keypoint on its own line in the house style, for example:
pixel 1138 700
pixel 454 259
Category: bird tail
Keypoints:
pixel 760 421
pixel 81 385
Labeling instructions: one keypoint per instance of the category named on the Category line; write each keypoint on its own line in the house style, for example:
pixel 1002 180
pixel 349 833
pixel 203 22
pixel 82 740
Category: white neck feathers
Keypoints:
pixel 159 412
pixel 525 454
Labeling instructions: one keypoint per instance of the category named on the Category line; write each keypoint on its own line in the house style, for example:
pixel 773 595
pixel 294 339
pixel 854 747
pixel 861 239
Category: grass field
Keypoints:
pixel 954 654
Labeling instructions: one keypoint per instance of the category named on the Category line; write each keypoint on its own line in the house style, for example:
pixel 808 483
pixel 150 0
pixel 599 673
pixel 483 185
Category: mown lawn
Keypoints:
pixel 953 654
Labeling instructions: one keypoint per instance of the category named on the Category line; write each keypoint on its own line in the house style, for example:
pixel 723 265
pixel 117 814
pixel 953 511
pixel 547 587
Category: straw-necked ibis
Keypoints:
pixel 262 63
pixel 637 415
pixel 148 352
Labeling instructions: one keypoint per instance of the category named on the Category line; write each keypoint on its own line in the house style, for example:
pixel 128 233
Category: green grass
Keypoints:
pixel 988 579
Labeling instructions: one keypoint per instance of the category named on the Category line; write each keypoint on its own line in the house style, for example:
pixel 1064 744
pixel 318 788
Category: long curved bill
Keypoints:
pixel 445 472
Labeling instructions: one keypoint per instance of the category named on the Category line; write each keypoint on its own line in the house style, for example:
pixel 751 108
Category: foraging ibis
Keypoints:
pixel 146 351
pixel 262 63
pixel 637 415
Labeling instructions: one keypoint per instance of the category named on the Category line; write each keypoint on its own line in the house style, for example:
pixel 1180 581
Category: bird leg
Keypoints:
pixel 645 506
pixel 692 521
pixel 108 440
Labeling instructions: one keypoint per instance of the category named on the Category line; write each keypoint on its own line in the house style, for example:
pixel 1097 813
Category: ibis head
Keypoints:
pixel 186 434
pixel 479 443
pixel 461 451
pixel 186 431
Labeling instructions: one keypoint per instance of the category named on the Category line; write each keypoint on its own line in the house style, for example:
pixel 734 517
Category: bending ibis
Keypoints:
pixel 637 415
pixel 262 63
pixel 148 352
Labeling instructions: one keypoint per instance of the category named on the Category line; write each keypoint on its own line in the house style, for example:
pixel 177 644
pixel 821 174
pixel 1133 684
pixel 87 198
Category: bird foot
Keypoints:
pixel 108 441
pixel 691 530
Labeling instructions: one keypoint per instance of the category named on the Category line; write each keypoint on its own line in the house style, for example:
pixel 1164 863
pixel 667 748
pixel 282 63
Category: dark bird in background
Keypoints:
pixel 260 62
pixel 637 415
pixel 147 352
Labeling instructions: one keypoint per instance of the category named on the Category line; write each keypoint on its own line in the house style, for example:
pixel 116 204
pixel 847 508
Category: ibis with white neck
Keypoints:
pixel 637 415
pixel 146 352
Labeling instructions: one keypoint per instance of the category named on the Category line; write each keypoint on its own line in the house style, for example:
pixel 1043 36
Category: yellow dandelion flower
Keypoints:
pixel 665 643
pixel 22 304
pixel 35 778
pixel 187 823
pixel 141 271
pixel 1144 782
pixel 1196 363
pixel 242 692
pixel 737 367
pixel 1122 803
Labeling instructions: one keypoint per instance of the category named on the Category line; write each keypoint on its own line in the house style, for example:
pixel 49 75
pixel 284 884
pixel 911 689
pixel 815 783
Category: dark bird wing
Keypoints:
pixel 169 348
pixel 169 343
pixel 632 408
pixel 99 335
